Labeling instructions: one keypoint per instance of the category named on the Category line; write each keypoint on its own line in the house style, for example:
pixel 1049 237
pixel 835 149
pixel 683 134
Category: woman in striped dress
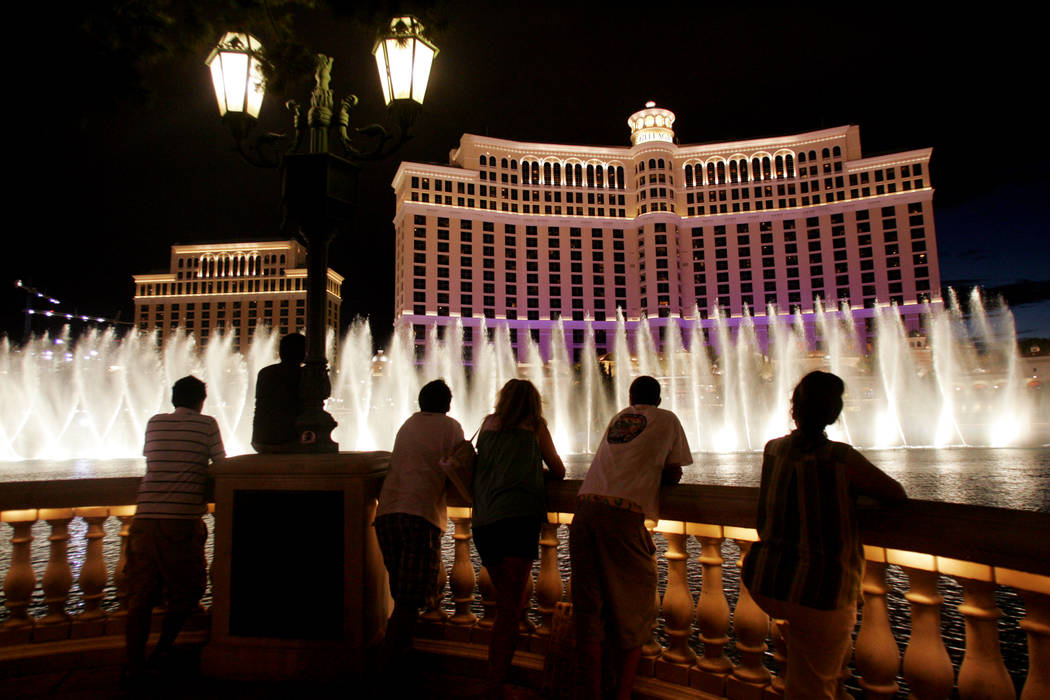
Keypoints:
pixel 807 566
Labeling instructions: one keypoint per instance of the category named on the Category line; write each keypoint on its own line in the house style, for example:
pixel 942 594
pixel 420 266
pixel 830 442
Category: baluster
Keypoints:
pixel 652 649
pixel 982 673
pixel 712 609
pixel 779 628
pixel 1036 624
pixel 846 671
pixel 58 577
pixel 20 580
pixel 211 564
pixel 125 514
pixel 927 667
pixel 433 611
pixel 677 607
pixel 876 655
pixel 549 589
pixel 93 574
pixel 751 626
pixel 116 619
pixel 525 626
pixel 462 580
pixel 488 598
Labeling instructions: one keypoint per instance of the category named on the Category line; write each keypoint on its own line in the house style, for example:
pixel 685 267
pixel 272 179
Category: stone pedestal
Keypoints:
pixel 298 582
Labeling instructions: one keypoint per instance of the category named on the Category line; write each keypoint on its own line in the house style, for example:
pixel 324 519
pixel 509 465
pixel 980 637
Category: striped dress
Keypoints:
pixel 179 446
pixel 810 551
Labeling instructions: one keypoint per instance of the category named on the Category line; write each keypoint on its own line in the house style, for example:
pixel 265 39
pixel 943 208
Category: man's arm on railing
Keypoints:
pixel 671 475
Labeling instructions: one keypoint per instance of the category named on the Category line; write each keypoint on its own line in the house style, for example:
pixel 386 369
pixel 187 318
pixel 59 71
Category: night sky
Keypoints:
pixel 105 183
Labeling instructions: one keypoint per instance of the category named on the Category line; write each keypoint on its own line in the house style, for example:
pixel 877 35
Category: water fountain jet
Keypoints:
pixel 959 386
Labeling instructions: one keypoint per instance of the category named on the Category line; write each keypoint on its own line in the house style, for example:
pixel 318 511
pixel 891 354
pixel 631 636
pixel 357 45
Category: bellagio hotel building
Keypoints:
pixel 231 289
pixel 528 235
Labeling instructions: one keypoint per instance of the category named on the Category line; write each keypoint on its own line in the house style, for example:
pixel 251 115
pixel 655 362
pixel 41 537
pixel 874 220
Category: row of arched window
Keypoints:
pixel 717 171
pixel 740 169
pixel 572 174
pixel 835 152
pixel 234 265
pixel 490 161
pixel 654 164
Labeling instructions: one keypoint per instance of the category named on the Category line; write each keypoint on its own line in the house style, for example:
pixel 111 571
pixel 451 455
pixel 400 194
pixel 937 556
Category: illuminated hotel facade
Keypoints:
pixel 231 288
pixel 532 236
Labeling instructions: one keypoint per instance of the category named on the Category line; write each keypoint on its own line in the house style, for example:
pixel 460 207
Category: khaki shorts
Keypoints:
pixel 613 575
pixel 818 644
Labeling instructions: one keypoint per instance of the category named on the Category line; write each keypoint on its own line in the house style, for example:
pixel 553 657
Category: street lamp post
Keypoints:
pixel 319 188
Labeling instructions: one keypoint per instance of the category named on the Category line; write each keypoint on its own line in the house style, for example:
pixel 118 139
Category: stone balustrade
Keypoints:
pixel 979 548
pixel 58 503
pixel 713 642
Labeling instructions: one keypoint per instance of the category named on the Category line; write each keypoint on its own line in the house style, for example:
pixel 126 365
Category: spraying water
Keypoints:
pixel 959 385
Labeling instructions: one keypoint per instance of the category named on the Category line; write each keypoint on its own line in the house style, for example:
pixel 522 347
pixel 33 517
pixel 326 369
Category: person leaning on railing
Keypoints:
pixel 807 566
pixel 510 505
pixel 166 542
pixel 610 549
pixel 411 516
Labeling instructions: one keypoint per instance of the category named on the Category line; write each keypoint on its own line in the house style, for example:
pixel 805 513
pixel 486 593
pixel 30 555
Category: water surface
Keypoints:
pixel 1015 478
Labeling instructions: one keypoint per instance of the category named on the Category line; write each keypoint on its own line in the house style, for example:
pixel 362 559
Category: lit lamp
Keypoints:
pixel 236 75
pixel 404 58
pixel 319 189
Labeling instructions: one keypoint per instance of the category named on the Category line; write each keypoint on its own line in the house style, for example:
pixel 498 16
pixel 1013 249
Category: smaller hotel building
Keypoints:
pixel 231 288
pixel 528 235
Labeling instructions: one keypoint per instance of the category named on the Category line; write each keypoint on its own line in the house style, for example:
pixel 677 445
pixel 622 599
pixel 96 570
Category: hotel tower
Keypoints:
pixel 533 235
pixel 231 288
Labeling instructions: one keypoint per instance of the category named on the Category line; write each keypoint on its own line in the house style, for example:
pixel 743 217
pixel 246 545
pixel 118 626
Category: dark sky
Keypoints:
pixel 107 182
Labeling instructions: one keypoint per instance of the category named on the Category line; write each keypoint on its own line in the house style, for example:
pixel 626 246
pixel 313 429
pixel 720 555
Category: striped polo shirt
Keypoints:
pixel 810 550
pixel 178 447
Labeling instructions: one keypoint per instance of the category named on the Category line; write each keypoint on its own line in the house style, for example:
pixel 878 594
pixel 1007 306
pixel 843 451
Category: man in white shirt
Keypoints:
pixel 411 513
pixel 611 551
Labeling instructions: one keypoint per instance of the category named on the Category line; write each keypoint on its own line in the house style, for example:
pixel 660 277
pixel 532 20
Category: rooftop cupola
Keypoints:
pixel 651 124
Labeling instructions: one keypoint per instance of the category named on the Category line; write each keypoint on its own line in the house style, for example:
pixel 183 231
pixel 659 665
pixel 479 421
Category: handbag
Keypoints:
pixel 458 466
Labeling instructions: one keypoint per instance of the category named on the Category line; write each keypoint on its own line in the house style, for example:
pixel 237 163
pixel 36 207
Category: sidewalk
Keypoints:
pixel 102 680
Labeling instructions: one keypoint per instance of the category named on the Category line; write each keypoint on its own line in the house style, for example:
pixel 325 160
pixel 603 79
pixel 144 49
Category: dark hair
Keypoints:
pixel 817 402
pixel 519 405
pixel 435 397
pixel 645 391
pixel 188 392
pixel 292 348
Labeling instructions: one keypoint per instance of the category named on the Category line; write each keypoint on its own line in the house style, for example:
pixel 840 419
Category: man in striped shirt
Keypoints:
pixel 166 543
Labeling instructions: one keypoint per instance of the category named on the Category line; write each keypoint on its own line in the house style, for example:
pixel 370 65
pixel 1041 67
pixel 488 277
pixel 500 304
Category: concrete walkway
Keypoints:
pixel 101 679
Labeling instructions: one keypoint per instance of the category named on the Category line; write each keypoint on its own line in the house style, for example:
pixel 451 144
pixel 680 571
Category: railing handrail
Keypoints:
pixel 69 493
pixel 954 530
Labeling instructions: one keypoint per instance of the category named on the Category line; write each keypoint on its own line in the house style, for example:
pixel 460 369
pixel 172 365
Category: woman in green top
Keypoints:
pixel 510 504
